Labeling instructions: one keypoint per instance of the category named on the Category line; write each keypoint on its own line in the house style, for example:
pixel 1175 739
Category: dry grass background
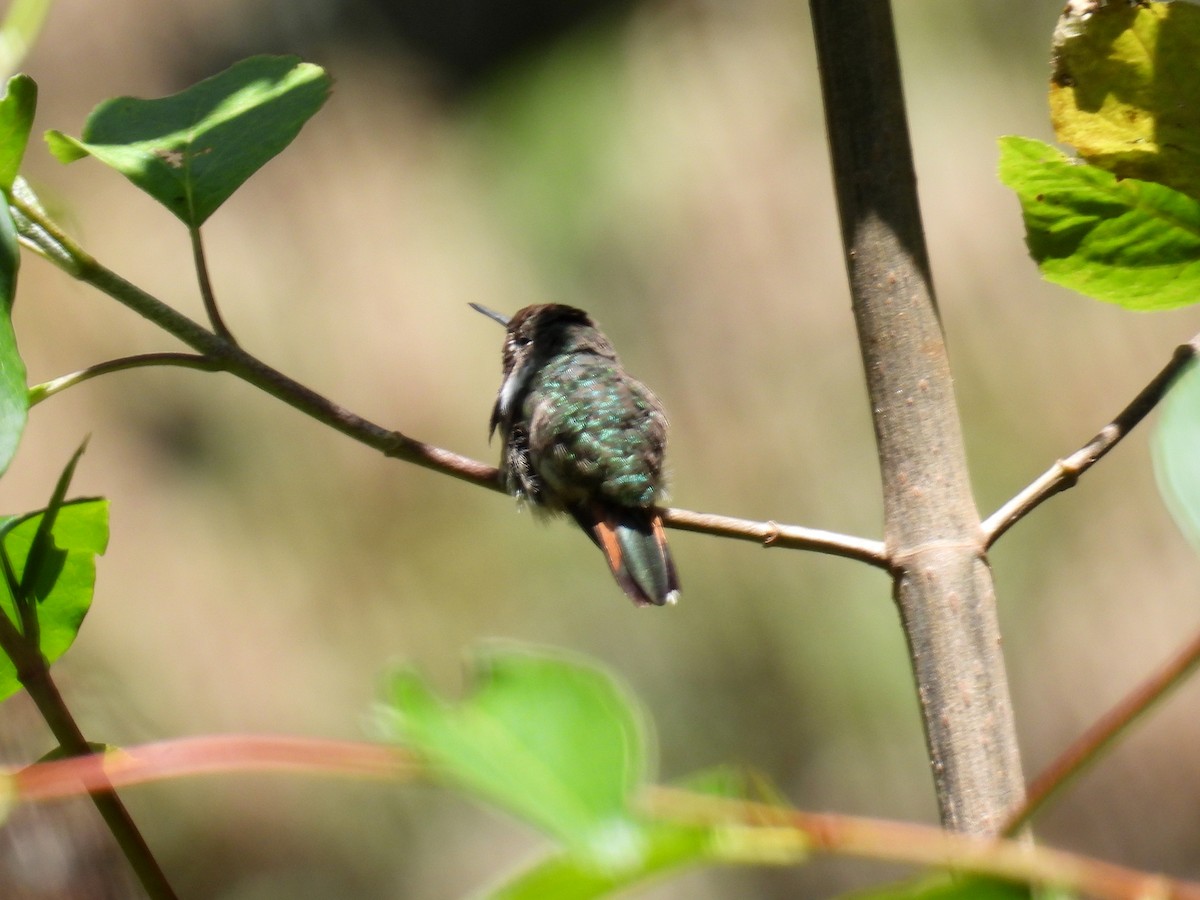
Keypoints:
pixel 668 172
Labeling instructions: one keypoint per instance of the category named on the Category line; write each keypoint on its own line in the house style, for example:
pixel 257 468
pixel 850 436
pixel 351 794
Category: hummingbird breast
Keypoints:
pixel 594 435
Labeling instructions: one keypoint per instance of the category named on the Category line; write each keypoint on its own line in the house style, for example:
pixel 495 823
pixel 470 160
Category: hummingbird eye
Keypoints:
pixel 521 340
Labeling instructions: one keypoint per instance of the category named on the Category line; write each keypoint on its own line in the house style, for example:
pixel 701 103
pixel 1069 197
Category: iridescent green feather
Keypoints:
pixel 594 430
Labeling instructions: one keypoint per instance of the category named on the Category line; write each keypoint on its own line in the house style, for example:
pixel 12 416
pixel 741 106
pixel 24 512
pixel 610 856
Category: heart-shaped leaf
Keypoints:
pixel 192 150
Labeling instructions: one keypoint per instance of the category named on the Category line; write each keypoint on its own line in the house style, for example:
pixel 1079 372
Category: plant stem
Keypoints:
pixel 942 582
pixel 34 675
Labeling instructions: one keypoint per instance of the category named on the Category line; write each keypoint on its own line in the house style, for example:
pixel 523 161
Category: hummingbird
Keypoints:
pixel 583 437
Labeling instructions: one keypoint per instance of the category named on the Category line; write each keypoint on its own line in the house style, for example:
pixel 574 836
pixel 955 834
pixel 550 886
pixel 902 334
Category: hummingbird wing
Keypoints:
pixel 597 435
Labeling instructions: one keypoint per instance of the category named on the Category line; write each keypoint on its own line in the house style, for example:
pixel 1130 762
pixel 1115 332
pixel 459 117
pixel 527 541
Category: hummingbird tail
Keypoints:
pixel 635 545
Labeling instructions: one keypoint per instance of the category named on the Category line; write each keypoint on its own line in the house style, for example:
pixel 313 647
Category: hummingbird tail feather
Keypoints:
pixel 635 546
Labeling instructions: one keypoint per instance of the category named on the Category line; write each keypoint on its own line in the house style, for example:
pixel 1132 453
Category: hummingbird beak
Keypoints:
pixel 491 314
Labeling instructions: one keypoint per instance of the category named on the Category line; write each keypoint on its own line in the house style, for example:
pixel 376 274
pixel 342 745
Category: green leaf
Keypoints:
pixel 1133 243
pixel 44 557
pixel 553 741
pixel 1125 93
pixel 65 582
pixel 559 744
pixel 192 150
pixel 1177 452
pixel 14 398
pixel 16 120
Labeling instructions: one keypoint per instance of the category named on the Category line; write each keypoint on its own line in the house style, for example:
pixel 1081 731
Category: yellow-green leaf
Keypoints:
pixel 1125 92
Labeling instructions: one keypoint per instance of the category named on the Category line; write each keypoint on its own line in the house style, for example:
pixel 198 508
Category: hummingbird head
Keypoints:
pixel 545 330
pixel 534 335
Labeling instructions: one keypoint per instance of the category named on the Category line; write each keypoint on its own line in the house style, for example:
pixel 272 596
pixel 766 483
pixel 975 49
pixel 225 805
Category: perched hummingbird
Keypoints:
pixel 582 437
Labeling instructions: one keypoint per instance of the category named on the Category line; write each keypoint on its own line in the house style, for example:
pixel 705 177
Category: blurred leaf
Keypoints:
pixel 65 583
pixel 192 150
pixel 668 847
pixel 570 877
pixel 1177 452
pixel 941 887
pixel 16 119
pixel 1125 92
pixel 1133 243
pixel 553 741
pixel 19 30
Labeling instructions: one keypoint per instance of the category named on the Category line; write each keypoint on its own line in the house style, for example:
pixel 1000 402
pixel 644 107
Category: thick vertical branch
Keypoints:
pixel 943 585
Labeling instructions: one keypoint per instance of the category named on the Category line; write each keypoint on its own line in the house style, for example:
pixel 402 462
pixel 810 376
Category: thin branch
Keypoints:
pixel 217 353
pixel 772 534
pixel 1088 747
pixel 206 291
pixel 1066 472
pixel 921 845
pixel 40 392
pixel 764 824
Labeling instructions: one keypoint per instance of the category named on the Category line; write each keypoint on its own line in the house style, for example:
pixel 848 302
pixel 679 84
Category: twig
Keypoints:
pixel 40 392
pixel 1088 747
pixel 772 534
pixel 1065 472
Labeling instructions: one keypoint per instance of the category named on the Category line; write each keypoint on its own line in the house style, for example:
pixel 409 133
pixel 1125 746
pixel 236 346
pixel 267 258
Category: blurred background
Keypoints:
pixel 663 164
